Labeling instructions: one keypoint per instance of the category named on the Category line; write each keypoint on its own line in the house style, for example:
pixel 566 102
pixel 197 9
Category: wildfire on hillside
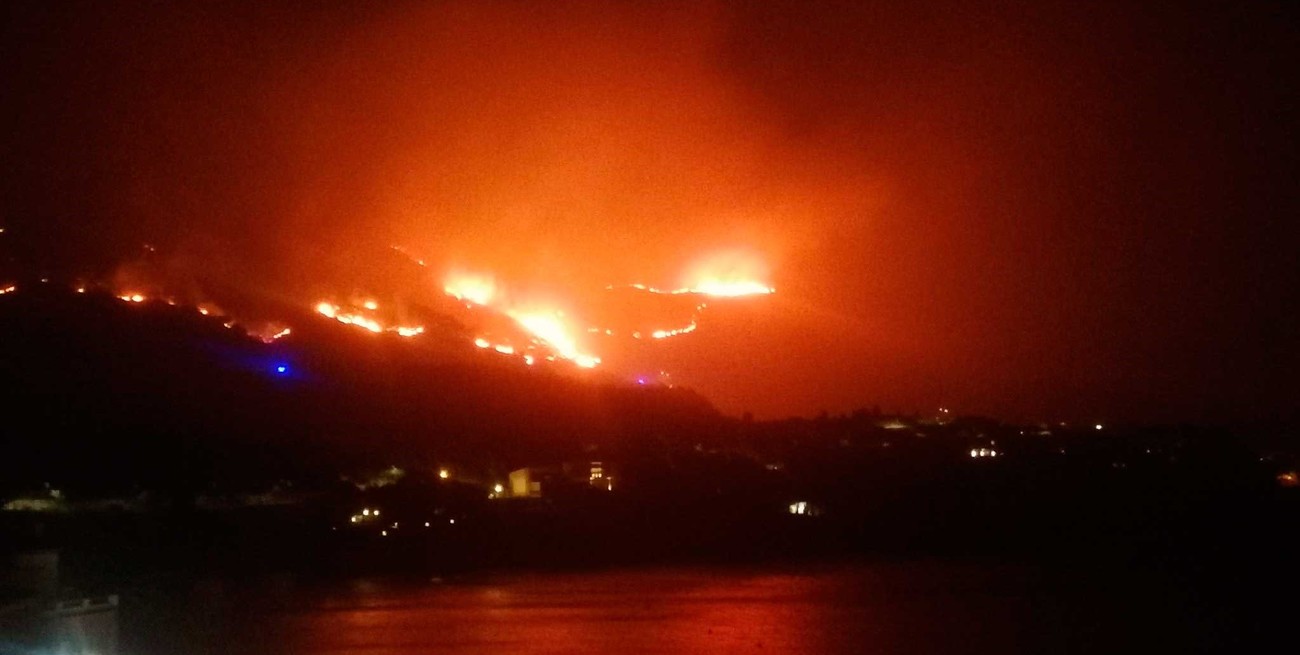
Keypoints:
pixel 495 314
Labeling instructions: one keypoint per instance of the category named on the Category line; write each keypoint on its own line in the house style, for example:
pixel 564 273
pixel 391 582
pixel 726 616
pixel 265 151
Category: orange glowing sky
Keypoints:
pixel 1035 210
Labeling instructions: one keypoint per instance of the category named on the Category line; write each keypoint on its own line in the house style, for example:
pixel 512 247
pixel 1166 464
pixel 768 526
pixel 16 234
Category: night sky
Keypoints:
pixel 1034 210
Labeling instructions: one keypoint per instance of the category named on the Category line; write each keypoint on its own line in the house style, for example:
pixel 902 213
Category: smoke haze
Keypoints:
pixel 1003 209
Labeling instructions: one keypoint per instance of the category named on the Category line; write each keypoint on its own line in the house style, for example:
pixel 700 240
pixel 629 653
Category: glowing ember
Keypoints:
pixel 415 260
pixel 664 334
pixel 271 333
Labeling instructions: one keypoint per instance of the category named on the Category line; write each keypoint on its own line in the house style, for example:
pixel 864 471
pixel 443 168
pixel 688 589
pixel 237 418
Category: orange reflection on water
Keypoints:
pixel 658 612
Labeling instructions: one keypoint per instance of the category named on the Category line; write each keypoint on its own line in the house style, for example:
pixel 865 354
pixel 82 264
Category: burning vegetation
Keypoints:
pixel 479 308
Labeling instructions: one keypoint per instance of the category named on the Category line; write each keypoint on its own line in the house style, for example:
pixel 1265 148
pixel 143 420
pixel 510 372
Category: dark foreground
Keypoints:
pixel 926 606
pixel 1203 576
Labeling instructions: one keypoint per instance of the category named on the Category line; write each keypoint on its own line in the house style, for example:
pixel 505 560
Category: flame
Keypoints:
pixel 730 273
pixel 721 286
pixel 354 317
pixel 334 311
pixel 132 297
pixel 9 289
pixel 731 288
pixel 549 329
pixel 471 288
pixel 547 326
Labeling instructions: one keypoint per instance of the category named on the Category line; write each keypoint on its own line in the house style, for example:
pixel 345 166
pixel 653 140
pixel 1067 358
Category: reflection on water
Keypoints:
pixel 917 607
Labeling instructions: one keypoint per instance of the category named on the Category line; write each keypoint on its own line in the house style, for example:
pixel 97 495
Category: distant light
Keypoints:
pixel 1097 426
pixel 426 524
pixel 281 369
pixel 383 533
pixel 366 512
pixel 444 474
pixel 452 521
pixel 498 488
pixel 376 512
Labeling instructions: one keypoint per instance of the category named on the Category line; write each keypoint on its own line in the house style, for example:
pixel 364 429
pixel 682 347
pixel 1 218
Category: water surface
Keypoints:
pixel 910 607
